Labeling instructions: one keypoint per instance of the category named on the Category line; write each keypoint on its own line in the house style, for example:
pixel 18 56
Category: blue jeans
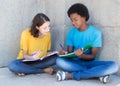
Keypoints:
pixel 17 66
pixel 86 69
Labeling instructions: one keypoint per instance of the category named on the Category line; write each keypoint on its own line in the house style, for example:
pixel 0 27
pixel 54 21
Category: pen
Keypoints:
pixel 62 47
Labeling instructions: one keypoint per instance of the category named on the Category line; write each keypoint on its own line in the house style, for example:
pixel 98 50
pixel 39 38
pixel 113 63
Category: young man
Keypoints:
pixel 86 64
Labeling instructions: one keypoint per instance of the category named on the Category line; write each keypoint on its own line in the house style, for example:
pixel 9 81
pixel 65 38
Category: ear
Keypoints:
pixel 37 27
pixel 84 19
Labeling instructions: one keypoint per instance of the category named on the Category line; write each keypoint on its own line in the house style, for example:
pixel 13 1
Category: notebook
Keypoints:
pixel 72 55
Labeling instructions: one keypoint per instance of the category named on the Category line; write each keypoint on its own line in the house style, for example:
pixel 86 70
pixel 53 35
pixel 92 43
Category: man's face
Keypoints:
pixel 77 20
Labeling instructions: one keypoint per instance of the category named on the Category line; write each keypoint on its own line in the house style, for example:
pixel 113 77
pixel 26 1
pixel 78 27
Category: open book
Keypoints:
pixel 72 55
pixel 44 57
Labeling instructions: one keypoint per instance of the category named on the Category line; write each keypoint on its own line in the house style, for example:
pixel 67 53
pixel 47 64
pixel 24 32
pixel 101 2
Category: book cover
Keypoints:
pixel 69 55
pixel 37 59
pixel 87 47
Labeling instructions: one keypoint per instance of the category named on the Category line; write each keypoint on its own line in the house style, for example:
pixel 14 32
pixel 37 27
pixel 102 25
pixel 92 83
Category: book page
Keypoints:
pixel 51 54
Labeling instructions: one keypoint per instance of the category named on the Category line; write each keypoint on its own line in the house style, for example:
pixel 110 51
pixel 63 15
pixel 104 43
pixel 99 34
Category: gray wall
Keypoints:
pixel 16 15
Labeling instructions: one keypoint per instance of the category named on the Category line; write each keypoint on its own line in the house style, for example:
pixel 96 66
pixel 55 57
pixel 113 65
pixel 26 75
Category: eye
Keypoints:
pixel 46 28
pixel 75 19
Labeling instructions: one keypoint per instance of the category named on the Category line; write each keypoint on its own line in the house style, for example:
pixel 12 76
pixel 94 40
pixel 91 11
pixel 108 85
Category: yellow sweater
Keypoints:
pixel 32 44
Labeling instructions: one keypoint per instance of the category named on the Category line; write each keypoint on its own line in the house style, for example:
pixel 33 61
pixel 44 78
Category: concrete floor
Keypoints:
pixel 10 79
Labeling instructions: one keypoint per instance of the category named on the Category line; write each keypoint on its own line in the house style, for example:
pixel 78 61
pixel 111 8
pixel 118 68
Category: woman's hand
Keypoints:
pixel 49 53
pixel 79 52
pixel 36 54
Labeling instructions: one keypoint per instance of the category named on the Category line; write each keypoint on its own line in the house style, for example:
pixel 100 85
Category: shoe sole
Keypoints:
pixel 58 76
pixel 106 79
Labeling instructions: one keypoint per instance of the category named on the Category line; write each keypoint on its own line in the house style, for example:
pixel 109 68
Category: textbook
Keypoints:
pixel 72 55
pixel 38 59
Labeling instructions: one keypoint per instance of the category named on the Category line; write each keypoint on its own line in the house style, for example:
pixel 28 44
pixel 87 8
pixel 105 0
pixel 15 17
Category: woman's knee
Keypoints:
pixel 12 66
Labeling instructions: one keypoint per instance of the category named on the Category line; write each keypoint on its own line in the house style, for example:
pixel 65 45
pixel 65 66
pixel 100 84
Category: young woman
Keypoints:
pixel 35 42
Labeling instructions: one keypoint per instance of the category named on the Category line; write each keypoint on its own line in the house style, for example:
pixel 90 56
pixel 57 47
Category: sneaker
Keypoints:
pixel 104 79
pixel 61 75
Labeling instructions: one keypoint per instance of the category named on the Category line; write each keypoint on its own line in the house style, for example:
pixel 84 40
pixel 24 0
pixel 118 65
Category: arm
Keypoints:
pixel 34 55
pixel 25 55
pixel 70 49
pixel 80 54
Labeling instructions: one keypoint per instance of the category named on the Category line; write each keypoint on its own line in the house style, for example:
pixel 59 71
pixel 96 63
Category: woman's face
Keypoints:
pixel 44 28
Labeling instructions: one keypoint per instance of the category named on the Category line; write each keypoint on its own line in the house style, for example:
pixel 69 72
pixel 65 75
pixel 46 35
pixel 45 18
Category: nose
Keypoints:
pixel 73 23
pixel 48 29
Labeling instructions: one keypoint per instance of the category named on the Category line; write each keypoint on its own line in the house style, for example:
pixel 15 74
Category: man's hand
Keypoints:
pixel 62 52
pixel 79 52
